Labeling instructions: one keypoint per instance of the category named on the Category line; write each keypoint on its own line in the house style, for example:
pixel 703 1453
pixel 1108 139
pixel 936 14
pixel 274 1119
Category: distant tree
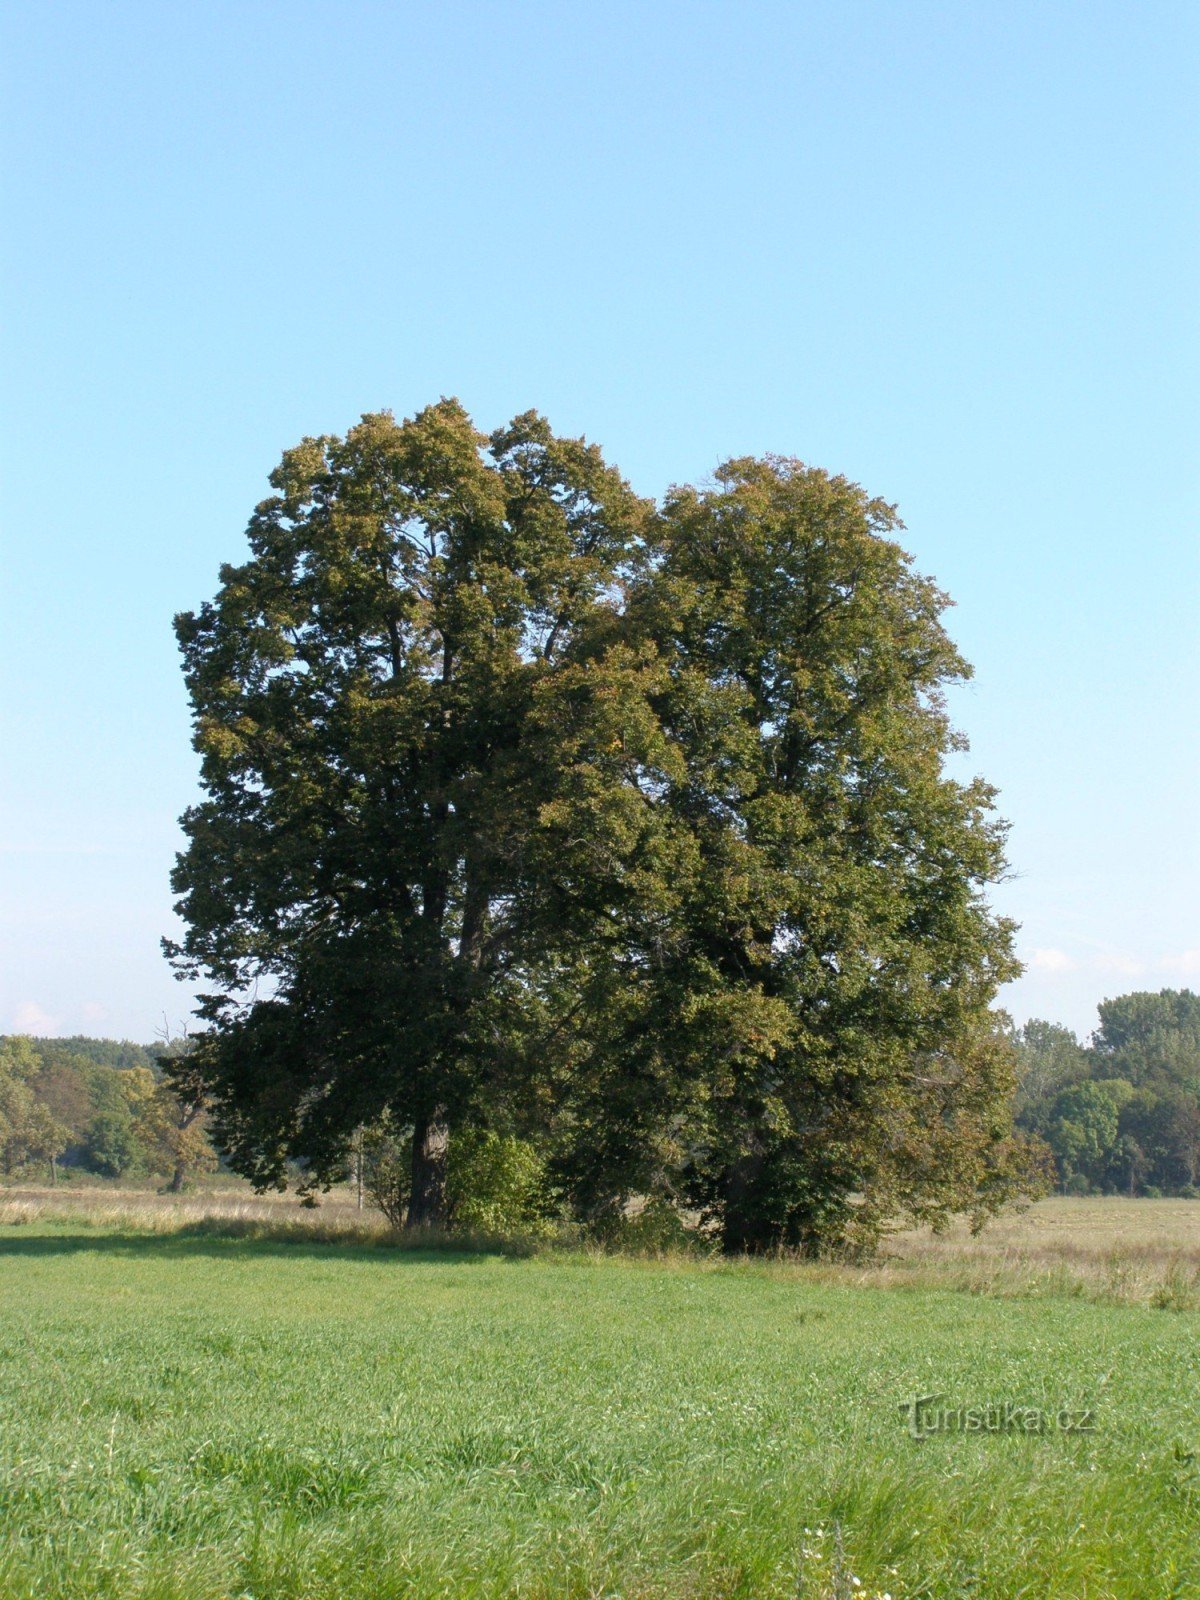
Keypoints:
pixel 1128 1163
pixel 176 1117
pixel 119 1053
pixel 1165 1124
pixel 111 1146
pixel 1049 1058
pixel 63 1086
pixel 28 1130
pixel 1082 1129
pixel 1145 1058
pixel 1151 1038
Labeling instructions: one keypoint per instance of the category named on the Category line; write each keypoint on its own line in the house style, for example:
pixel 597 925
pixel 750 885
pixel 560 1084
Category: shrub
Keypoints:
pixel 496 1183
pixel 387 1168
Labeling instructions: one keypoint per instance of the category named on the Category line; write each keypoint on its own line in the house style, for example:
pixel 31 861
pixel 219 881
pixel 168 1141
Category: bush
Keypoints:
pixel 1077 1184
pixel 1151 1191
pixel 387 1168
pixel 496 1183
pixel 1188 1192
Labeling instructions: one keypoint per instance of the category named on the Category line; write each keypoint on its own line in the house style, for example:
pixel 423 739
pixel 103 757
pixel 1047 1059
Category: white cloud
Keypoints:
pixel 30 1018
pixel 1051 961
pixel 1187 963
pixel 94 1013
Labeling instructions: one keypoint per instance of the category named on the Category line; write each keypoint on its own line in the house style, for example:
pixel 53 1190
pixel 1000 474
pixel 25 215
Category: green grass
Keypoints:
pixel 201 1417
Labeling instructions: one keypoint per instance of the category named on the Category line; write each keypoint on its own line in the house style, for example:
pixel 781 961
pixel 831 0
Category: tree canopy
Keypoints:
pixel 532 806
pixel 1122 1113
pixel 102 1106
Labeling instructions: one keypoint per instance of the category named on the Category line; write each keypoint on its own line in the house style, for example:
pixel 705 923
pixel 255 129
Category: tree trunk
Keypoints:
pixel 745 1230
pixel 427 1202
pixel 177 1177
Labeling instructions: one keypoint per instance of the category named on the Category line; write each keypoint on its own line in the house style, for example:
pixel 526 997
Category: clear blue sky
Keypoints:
pixel 949 250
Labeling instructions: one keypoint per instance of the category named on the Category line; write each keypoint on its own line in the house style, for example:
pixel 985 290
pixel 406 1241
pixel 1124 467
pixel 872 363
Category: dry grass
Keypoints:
pixel 221 1209
pixel 1133 1251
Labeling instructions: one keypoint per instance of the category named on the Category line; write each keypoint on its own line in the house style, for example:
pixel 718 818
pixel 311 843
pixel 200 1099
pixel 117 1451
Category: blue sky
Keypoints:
pixel 950 251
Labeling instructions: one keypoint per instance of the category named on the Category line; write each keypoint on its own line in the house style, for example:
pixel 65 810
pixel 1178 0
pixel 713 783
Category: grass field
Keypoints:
pixel 186 1412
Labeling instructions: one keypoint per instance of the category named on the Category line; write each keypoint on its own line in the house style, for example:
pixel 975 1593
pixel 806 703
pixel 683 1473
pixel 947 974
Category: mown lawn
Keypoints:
pixel 212 1417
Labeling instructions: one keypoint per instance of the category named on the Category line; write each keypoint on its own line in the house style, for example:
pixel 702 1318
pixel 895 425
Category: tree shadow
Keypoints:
pixel 195 1243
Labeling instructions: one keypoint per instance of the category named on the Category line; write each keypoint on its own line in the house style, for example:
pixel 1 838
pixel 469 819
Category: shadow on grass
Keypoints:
pixel 234 1243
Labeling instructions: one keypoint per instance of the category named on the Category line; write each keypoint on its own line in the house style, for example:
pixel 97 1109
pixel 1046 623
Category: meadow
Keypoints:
pixel 222 1397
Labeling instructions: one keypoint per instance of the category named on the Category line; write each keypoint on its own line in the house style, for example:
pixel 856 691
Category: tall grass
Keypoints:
pixel 215 1402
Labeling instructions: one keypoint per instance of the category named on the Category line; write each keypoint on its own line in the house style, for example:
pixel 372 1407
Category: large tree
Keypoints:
pixel 793 1029
pixel 355 882
pixel 526 801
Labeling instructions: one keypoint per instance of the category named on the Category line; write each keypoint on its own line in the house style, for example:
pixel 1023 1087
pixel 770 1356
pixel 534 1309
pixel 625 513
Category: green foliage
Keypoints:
pixel 116 1053
pixel 1049 1058
pixel 1152 1039
pixel 1083 1127
pixel 533 805
pixel 29 1131
pixel 496 1183
pixel 789 1026
pixel 362 687
pixel 1144 1067
pixel 100 1105
pixel 111 1146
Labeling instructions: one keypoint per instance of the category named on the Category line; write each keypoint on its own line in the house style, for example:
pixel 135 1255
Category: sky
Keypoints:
pixel 949 251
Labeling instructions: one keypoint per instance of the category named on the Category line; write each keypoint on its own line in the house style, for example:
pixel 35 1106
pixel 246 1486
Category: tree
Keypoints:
pixel 361 688
pixel 792 1029
pixel 1152 1038
pixel 1082 1128
pixel 174 1129
pixel 176 1120
pixel 111 1146
pixel 1165 1125
pixel 529 807
pixel 28 1129
pixel 1049 1058
pixel 62 1086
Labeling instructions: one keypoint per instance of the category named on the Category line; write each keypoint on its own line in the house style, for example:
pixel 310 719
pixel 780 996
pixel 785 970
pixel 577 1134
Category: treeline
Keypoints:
pixel 98 1105
pixel 1121 1114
